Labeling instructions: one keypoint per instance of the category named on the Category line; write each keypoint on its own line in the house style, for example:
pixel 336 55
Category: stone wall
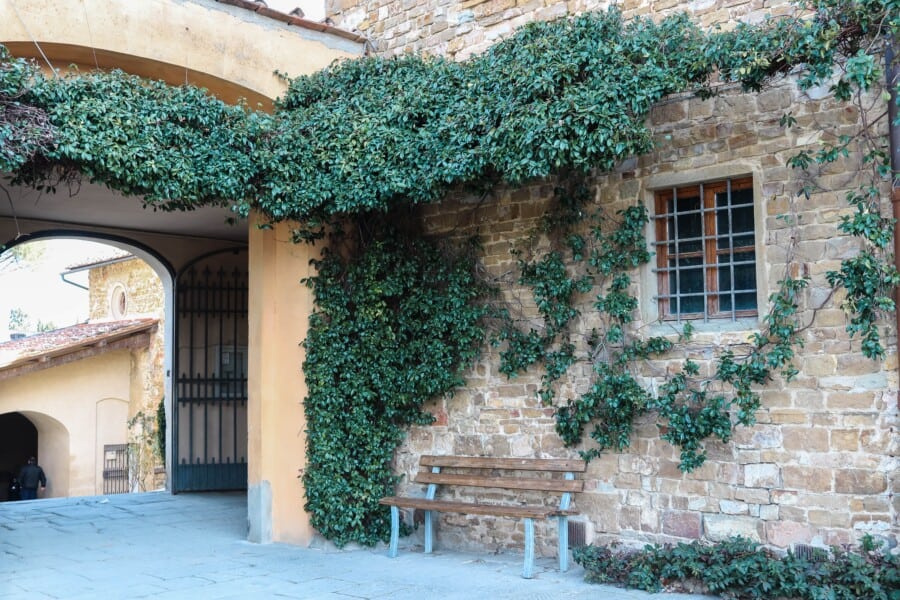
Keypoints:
pixel 144 292
pixel 462 28
pixel 820 466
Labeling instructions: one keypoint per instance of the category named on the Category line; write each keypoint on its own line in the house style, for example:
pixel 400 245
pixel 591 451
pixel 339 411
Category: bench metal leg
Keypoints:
pixel 528 571
pixel 429 531
pixel 563 544
pixel 395 531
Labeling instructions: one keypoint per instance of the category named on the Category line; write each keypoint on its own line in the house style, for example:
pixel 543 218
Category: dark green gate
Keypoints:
pixel 210 430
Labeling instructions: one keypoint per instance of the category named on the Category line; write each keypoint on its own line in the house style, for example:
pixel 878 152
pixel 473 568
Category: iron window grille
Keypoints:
pixel 706 251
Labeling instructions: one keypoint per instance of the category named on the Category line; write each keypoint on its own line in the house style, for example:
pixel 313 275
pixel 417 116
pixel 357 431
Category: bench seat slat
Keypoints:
pixel 524 464
pixel 506 483
pixel 533 512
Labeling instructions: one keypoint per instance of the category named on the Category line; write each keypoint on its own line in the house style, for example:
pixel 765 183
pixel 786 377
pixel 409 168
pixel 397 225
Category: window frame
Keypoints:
pixel 118 301
pixel 709 251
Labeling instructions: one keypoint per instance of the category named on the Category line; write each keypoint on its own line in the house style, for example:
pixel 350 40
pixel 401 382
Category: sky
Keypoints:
pixel 37 289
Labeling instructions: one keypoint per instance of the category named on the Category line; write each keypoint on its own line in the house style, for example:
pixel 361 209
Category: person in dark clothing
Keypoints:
pixel 14 491
pixel 29 477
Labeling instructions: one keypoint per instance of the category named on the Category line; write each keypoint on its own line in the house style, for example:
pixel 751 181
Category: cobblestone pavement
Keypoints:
pixel 160 546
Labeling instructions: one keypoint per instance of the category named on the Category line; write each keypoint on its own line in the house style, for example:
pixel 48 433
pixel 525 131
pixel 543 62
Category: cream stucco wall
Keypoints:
pixel 77 408
pixel 202 42
pixel 278 318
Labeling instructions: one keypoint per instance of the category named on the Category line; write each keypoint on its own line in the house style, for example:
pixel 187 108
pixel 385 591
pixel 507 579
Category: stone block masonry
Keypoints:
pixel 143 296
pixel 459 29
pixel 821 465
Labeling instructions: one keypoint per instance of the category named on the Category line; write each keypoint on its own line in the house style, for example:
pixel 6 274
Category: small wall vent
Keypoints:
pixel 577 534
pixel 810 553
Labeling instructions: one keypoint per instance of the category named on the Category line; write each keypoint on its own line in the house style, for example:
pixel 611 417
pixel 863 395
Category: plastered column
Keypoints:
pixel 279 308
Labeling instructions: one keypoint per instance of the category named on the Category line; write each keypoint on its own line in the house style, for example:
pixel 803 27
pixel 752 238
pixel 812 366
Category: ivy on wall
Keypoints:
pixel 365 138
pixel 374 133
pixel 393 326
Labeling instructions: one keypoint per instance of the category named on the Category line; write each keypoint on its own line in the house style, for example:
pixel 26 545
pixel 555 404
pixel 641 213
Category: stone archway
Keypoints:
pixel 210 43
pixel 53 451
pixel 18 441
pixel 233 52
pixel 154 375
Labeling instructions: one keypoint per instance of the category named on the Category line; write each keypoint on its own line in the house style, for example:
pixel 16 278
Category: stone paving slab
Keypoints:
pixel 193 546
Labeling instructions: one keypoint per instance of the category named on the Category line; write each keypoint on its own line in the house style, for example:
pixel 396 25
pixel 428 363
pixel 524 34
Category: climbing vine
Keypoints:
pixel 394 326
pixel 375 133
pixel 365 139
pixel 690 408
pixel 25 130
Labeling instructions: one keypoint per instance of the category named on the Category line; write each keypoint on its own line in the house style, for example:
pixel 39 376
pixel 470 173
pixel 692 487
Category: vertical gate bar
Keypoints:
pixel 215 378
pixel 190 316
pixel 233 304
pixel 241 309
pixel 220 301
pixel 176 365
pixel 206 302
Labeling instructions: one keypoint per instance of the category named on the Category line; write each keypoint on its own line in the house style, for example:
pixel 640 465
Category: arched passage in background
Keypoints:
pixel 18 441
pixel 247 48
pixel 163 338
pixel 53 443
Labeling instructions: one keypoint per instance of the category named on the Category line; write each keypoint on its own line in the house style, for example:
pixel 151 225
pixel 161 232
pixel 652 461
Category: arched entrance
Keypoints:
pixel 247 50
pixel 210 391
pixel 54 449
pixel 18 441
pixel 27 433
pixel 103 378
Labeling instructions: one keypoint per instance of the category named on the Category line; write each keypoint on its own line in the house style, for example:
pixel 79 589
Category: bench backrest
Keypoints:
pixel 470 471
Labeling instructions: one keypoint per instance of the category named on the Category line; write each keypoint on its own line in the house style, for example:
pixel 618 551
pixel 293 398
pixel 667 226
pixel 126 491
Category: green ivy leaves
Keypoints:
pixel 740 568
pixel 689 409
pixel 177 147
pixel 25 130
pixel 393 327
pixel 376 133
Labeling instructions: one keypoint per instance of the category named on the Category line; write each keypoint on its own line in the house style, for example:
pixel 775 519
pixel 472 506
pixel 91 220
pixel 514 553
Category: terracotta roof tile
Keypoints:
pixel 114 254
pixel 69 339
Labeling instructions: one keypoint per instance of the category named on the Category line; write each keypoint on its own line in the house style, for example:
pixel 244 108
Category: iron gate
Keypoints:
pixel 210 430
pixel 115 469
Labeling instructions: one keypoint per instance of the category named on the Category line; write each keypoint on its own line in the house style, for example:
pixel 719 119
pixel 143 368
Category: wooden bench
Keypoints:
pixel 534 474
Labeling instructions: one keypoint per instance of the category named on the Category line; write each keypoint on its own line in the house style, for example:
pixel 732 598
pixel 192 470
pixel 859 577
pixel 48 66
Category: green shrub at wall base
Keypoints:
pixel 740 569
